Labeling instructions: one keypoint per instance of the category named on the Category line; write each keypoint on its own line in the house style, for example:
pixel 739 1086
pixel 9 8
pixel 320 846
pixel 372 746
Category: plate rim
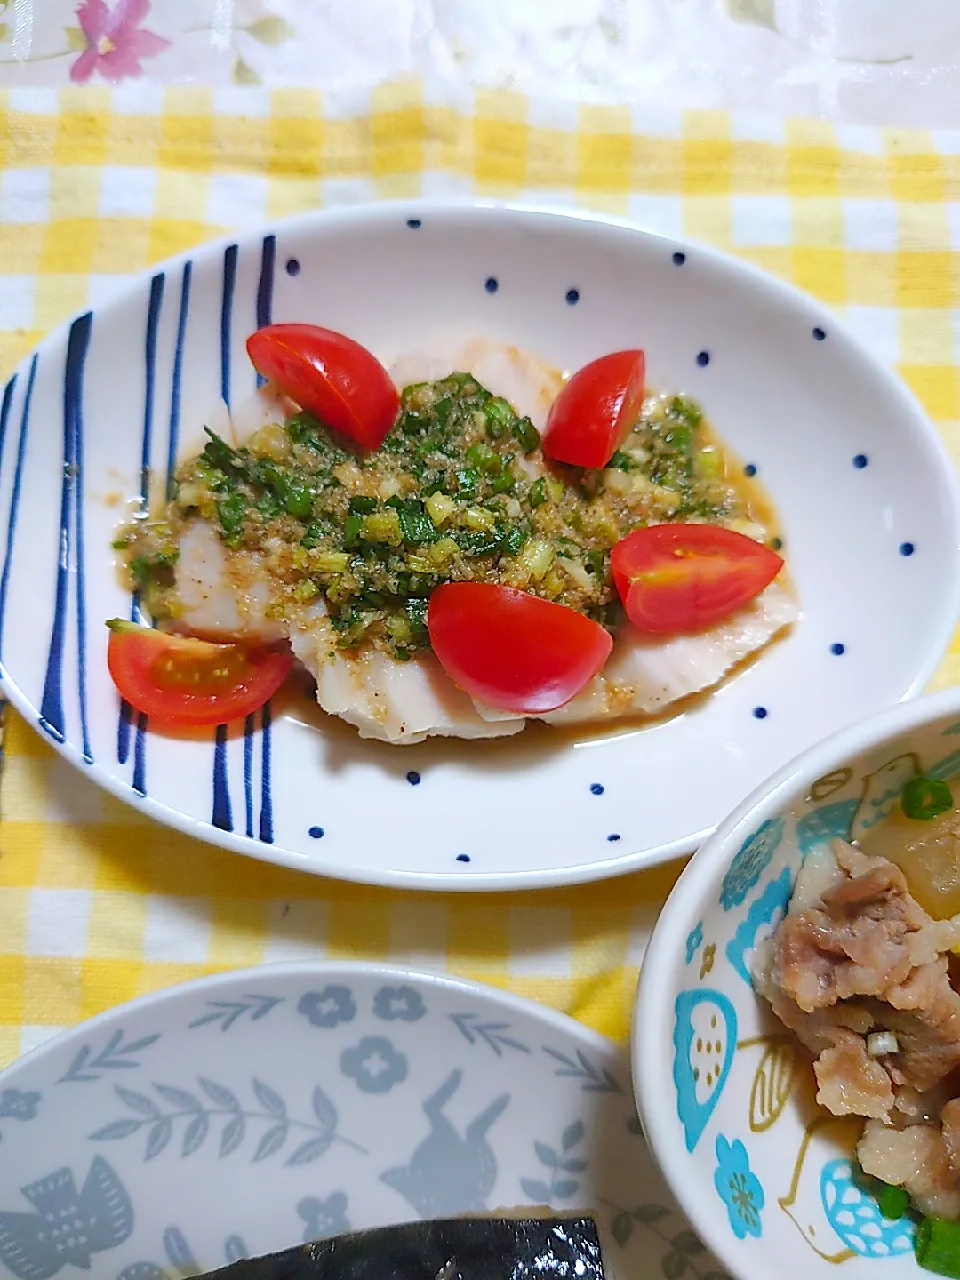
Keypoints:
pixel 326 970
pixel 624 862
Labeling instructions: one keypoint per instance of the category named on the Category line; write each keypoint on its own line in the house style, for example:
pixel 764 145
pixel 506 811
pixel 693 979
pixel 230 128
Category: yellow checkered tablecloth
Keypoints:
pixel 97 905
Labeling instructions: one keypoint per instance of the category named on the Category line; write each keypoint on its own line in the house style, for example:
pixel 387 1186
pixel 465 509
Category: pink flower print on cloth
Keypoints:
pixel 116 42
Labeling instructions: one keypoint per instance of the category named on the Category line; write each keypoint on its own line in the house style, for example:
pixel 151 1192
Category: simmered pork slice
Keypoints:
pixel 924 1159
pixel 865 958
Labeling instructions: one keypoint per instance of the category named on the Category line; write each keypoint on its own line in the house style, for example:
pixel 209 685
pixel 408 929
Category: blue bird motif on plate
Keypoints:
pixel 67 1226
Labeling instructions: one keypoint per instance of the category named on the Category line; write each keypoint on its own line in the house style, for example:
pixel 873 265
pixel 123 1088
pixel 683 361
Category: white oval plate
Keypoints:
pixel 793 395
pixel 247 1112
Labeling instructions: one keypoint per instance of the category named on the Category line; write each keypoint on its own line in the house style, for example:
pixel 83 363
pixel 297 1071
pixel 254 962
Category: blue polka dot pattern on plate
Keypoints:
pixel 776 544
pixel 491 284
pixel 818 333
pixel 750 469
pixel 293 266
pixel 907 548
pixel 703 359
pixel 679 258
pixel 596 788
pixel 414 224
pixel 463 857
pixel 760 713
pixel 572 297
pixel 614 837
pixel 315 833
pixel 860 460
pixel 838 649
pixel 413 778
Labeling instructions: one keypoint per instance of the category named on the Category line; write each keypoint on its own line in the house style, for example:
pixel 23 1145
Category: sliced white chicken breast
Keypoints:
pixel 643 676
pixel 224 595
pixel 227 594
pixel 400 702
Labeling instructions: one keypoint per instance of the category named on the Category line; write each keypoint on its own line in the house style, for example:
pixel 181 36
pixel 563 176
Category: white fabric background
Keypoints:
pixel 858 61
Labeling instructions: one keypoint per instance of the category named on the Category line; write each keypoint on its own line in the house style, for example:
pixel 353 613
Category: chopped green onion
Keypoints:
pixel 478 543
pixel 467 480
pixel 514 538
pixel 440 507
pixel 420 564
pixel 313 535
pixel 537 557
pixel 330 562
pixel 383 526
pixel 893 1202
pixel 297 499
pixel 687 411
pixel 527 434
pixel 503 483
pixel 709 463
pixel 352 528
pixel 416 611
pixel 480 518
pixel 443 551
pixel 537 495
pixel 620 461
pixel 482 456
pixel 232 512
pixel 415 525
pixel 269 505
pixel 937 1246
pixel 306 590
pixel 500 417
pixel 925 798
pixel 362 505
pixel 595 563
pixel 681 439
pixel 443 408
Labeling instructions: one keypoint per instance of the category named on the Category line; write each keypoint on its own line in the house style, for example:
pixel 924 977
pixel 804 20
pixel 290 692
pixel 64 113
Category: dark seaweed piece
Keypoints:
pixel 468 1248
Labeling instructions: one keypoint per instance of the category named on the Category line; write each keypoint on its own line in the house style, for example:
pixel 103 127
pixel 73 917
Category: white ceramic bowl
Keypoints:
pixel 763 1173
pixel 249 1111
pixel 866 494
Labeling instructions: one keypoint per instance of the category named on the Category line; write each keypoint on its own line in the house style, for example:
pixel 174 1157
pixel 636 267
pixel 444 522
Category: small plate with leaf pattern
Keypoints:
pixel 247 1112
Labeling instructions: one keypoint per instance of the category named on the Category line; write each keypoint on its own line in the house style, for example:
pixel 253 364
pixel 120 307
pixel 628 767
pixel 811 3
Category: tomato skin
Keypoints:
pixel 512 650
pixel 330 376
pixel 595 410
pixel 174 679
pixel 676 579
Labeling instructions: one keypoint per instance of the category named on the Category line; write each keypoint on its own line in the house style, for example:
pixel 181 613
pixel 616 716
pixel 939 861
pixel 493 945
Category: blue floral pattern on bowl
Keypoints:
pixel 374 1064
pixel 751 860
pixel 19 1104
pixel 392 1003
pixel 322 1218
pixel 738 1187
pixel 329 1007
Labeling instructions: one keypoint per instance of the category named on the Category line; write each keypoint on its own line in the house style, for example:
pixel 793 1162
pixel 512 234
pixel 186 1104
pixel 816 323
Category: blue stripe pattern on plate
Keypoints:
pixel 51 717
pixel 154 306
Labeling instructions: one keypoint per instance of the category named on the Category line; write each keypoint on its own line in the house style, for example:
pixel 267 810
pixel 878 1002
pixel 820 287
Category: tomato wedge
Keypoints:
pixel 329 375
pixel 513 650
pixel 596 409
pixel 177 680
pixel 680 578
